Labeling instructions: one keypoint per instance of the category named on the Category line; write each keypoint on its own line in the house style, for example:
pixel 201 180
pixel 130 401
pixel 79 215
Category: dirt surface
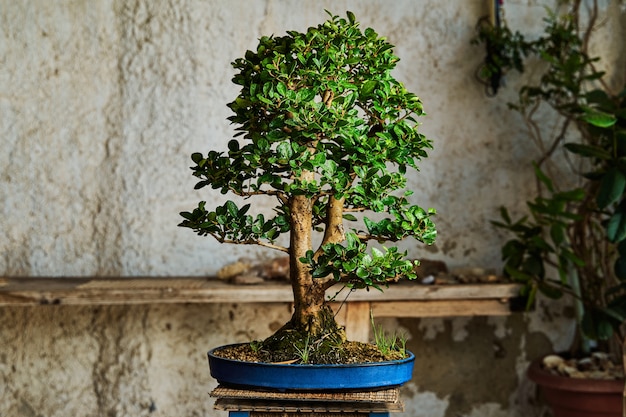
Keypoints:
pixel 346 353
pixel 598 365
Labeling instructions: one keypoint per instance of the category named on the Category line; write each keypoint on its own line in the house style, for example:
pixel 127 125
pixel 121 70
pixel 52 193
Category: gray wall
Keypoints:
pixel 101 104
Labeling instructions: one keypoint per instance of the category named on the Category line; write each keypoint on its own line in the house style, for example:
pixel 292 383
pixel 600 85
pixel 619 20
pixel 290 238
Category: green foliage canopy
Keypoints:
pixel 320 115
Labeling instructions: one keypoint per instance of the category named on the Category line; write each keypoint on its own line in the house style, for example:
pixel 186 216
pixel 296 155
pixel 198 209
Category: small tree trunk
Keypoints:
pixel 307 296
pixel 334 222
pixel 311 314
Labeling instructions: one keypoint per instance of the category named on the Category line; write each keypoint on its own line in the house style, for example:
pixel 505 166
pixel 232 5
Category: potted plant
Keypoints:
pixel 328 134
pixel 573 242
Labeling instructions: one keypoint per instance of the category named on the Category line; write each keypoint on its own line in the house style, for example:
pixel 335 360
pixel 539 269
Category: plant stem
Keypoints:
pixel 585 343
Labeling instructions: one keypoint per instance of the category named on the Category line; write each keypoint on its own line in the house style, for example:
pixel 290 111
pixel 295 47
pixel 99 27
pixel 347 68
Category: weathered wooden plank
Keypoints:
pixel 441 308
pixel 357 321
pixel 408 291
pixel 82 291
pixel 399 300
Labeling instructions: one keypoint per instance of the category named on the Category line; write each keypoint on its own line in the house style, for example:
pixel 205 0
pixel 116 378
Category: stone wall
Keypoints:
pixel 101 104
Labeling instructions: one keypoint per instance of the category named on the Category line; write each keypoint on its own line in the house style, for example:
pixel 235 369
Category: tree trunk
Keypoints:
pixel 308 296
pixel 334 223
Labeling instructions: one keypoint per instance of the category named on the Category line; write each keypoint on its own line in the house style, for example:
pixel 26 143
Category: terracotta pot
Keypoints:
pixel 574 397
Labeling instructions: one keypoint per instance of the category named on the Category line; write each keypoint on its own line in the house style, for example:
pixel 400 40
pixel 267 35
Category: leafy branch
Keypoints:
pixel 577 222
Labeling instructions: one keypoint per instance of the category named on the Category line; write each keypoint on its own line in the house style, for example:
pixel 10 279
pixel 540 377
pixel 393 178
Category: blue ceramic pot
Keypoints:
pixel 307 377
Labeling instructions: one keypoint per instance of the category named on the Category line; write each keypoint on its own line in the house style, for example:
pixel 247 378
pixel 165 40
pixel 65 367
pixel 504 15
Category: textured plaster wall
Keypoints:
pixel 101 104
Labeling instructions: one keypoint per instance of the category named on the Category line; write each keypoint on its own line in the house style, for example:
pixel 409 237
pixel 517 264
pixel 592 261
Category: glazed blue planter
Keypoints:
pixel 292 377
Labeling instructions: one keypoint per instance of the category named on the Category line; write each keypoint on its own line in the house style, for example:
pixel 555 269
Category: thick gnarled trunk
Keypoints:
pixel 308 296
pixel 311 315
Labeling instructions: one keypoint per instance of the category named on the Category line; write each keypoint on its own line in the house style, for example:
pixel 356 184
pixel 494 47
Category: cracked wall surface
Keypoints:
pixel 108 361
pixel 101 104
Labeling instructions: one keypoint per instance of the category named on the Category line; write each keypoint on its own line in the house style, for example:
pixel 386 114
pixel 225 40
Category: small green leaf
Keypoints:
pixel 243 210
pixel 196 157
pixel 362 272
pixel 281 88
pixel 284 150
pixel 588 150
pixel 351 17
pixel 611 187
pixel 557 233
pixel 570 256
pixel 306 95
pixel 232 208
pixel 308 259
pixel 318 159
pixel 598 118
pixel 368 88
pixel 187 215
pixel 550 291
pixel 233 145
pixel 543 178
pixel 616 227
pixel 504 213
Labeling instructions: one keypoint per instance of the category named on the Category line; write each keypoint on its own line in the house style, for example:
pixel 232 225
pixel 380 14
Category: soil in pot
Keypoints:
pixel 345 353
pixel 578 396
pixel 328 346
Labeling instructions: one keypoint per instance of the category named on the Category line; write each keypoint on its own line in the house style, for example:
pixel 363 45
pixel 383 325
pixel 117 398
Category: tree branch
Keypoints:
pixel 334 223
pixel 366 238
pixel 279 194
pixel 250 242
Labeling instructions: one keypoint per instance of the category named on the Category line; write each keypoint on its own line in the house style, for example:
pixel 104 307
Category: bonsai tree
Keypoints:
pixel 326 132
pixel 574 239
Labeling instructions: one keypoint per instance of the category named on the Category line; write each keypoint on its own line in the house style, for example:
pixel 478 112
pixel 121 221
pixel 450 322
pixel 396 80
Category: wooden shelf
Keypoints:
pixel 145 290
pixel 405 299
